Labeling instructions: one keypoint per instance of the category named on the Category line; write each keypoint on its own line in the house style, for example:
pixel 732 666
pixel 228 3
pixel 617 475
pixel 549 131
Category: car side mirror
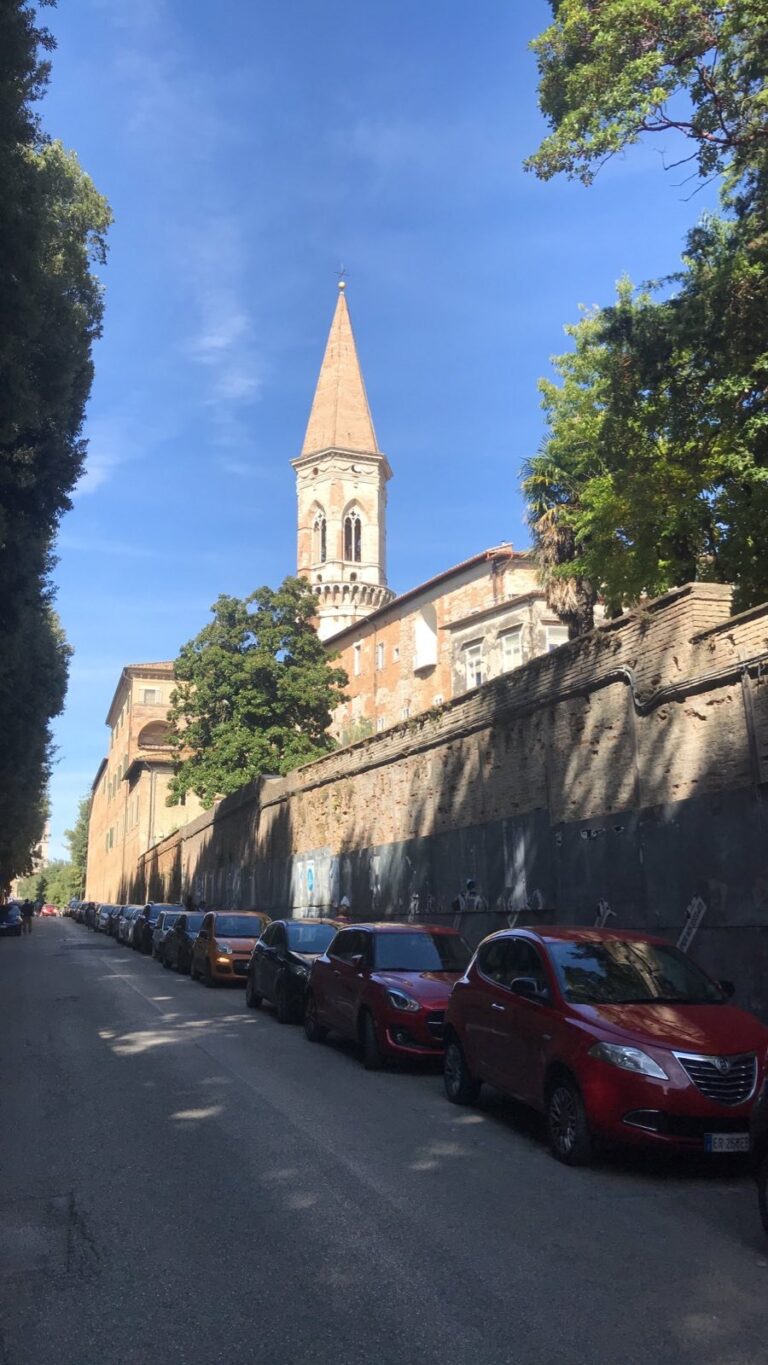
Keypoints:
pixel 728 988
pixel 529 988
pixel 357 962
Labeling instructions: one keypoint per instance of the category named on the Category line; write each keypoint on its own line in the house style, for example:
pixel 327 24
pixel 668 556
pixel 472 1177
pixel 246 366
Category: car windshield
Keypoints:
pixel 420 952
pixel 238 926
pixel 309 937
pixel 193 923
pixel 627 972
pixel 169 917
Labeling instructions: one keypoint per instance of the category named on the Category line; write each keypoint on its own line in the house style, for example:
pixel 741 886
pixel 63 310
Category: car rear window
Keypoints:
pixel 421 952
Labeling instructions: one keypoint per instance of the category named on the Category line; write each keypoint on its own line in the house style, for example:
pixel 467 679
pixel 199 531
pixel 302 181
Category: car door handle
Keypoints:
pixel 494 1006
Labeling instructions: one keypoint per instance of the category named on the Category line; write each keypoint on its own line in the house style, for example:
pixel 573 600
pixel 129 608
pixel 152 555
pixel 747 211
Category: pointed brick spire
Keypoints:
pixel 340 418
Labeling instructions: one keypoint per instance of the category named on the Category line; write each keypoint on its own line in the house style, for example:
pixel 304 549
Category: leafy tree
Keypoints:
pixel 612 70
pixel 254 694
pixel 77 843
pixel 654 469
pixel 52 231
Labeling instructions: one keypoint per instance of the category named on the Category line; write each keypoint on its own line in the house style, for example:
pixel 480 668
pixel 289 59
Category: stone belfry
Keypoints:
pixel 341 482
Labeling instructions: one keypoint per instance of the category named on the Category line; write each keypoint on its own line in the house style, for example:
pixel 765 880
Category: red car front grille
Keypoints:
pixel 727 1080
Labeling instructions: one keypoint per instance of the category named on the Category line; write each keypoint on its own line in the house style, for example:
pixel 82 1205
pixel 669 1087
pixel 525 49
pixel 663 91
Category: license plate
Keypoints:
pixel 726 1142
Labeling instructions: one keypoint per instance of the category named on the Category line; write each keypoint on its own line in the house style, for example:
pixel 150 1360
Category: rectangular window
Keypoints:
pixel 357 660
pixel 437 700
pixel 380 656
pixel 380 722
pixel 511 649
pixel 406 711
pixel 556 636
pixel 396 654
pixel 151 696
pixel 474 664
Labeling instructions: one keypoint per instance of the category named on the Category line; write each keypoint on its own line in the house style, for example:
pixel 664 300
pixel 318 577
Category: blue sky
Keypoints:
pixel 247 149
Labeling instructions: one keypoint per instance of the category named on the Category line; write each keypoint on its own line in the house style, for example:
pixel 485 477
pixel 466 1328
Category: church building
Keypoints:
pixel 404 655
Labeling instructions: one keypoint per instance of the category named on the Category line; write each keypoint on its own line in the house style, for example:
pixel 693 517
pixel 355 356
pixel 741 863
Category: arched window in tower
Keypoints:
pixel 319 539
pixel 353 537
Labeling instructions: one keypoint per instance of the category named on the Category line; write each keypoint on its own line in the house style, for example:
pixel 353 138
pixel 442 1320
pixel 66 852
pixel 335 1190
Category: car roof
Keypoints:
pixel 575 933
pixel 388 927
pixel 299 919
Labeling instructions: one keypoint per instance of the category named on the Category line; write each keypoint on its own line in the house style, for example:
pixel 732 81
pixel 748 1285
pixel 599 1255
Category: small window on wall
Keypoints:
pixel 511 649
pixel 151 696
pixel 380 723
pixel 357 660
pixel 396 654
pixel 379 656
pixel 425 638
pixel 556 636
pixel 474 664
pixel 406 711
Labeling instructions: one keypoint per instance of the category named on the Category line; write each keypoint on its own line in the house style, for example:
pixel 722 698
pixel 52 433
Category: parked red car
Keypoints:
pixel 617 1036
pixel 387 986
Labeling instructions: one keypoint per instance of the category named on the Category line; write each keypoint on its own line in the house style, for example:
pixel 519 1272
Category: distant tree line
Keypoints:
pixel 654 467
pixel 53 226
pixel 61 880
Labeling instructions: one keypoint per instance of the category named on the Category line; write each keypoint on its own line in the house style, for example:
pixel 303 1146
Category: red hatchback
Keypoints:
pixel 386 986
pixel 617 1036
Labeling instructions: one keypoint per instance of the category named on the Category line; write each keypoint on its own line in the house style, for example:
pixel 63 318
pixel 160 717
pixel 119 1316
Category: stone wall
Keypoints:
pixel 626 772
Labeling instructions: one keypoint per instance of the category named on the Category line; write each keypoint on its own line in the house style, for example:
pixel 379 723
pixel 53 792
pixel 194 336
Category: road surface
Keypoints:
pixel 185 1181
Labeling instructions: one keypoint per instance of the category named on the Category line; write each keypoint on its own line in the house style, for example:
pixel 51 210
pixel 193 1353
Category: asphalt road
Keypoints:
pixel 182 1180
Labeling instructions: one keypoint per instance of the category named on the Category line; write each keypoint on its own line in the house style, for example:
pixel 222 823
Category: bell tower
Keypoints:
pixel 341 484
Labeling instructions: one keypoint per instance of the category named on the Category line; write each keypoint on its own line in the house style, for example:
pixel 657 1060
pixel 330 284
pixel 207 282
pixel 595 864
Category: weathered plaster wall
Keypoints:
pixel 630 767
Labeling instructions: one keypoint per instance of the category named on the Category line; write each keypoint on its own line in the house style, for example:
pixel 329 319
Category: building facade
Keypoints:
pixel 128 796
pixel 465 626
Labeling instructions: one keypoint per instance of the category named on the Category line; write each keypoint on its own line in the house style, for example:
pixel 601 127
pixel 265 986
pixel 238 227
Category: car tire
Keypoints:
pixel 460 1085
pixel 569 1137
pixel 313 1029
pixel 762 1191
pixel 282 1004
pixel 208 979
pixel 369 1042
pixel 252 997
pixel 165 962
pixel 193 972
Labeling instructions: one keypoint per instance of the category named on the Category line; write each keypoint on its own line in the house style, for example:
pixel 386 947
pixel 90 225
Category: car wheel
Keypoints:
pixel 569 1135
pixel 282 1004
pixel 460 1085
pixel 252 997
pixel 193 972
pixel 313 1029
pixel 372 1058
pixel 762 1191
pixel 208 974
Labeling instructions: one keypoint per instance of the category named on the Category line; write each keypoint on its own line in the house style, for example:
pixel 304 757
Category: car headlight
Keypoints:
pixel 629 1059
pixel 223 948
pixel 401 1001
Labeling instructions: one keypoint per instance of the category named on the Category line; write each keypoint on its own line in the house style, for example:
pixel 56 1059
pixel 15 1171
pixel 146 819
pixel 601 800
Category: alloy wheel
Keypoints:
pixel 563 1119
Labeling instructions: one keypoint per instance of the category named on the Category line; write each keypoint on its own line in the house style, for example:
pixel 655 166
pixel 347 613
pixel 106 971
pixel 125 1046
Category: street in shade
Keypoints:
pixel 194 1181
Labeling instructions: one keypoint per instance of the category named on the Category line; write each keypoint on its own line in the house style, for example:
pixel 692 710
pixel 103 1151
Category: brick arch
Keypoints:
pixel 154 735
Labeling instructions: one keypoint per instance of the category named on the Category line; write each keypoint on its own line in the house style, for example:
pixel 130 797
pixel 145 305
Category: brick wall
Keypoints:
pixel 628 767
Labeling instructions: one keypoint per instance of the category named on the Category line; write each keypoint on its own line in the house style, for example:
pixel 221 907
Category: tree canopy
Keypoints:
pixel 53 226
pixel 612 70
pixel 654 466
pixel 254 693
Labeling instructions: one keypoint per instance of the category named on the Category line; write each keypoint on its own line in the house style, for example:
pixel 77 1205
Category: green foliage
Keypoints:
pixel 254 693
pixel 656 457
pixel 654 469
pixel 611 70
pixel 52 230
pixel 77 843
pixel 56 884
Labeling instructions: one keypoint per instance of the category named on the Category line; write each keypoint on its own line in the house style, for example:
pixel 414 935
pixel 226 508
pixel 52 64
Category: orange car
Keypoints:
pixel 223 947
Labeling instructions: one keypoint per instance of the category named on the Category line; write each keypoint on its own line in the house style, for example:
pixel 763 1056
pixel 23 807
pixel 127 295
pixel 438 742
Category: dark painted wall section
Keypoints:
pixel 646 867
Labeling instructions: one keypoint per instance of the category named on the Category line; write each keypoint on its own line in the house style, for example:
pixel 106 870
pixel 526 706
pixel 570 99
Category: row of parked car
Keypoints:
pixel 614 1036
